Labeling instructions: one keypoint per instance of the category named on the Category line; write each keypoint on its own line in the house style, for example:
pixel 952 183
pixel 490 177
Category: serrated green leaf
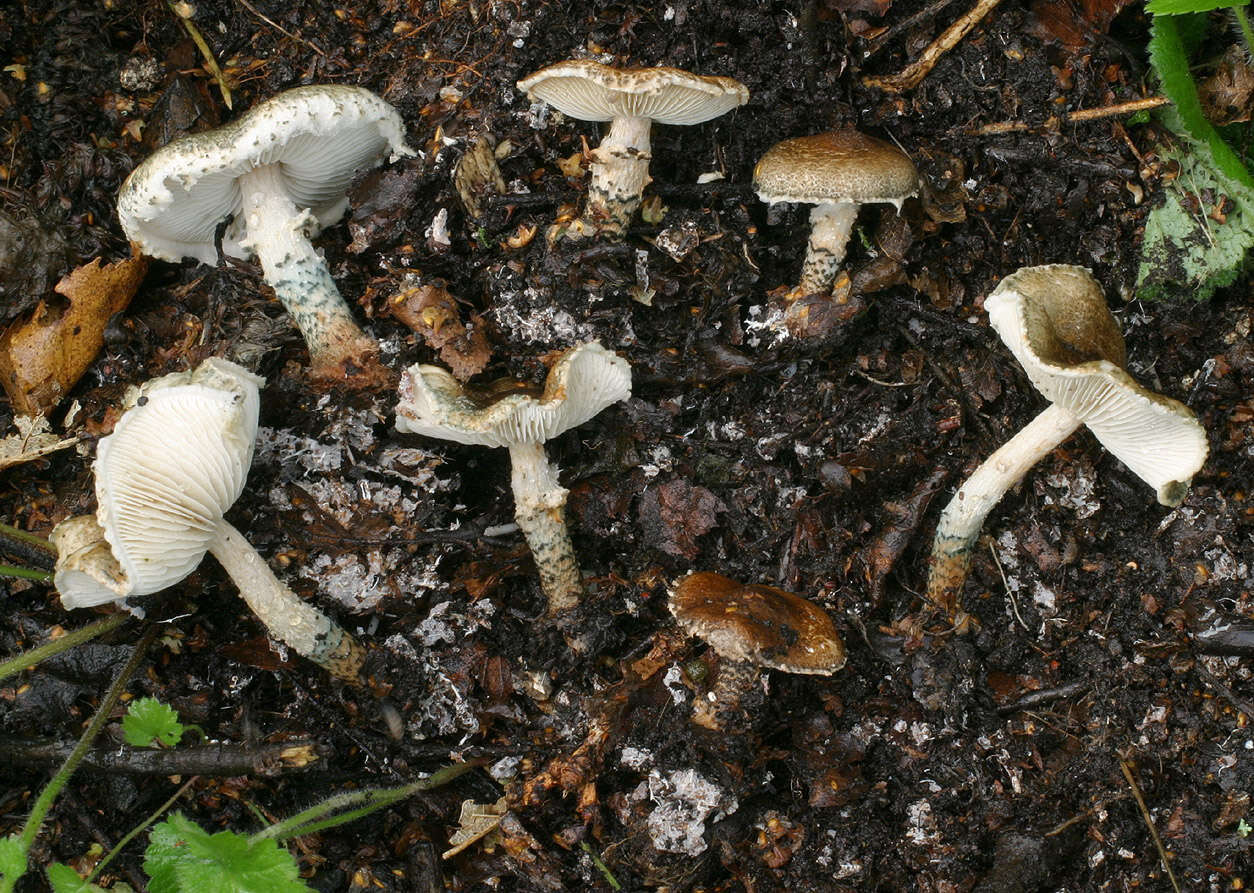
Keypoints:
pixel 66 880
pixel 148 720
pixel 1186 253
pixel 184 858
pixel 1182 7
pixel 1170 62
pixel 12 859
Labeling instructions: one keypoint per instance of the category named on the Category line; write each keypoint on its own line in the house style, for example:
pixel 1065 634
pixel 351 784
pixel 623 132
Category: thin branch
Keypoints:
pixel 911 76
pixel 1055 122
pixel 1149 821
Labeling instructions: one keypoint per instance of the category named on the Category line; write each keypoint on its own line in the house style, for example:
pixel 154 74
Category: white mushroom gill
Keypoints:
pixel 176 461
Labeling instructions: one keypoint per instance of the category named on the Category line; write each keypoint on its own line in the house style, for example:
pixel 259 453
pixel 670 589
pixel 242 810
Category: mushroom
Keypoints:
pixel 750 627
pixel 836 172
pixel 584 380
pixel 281 171
pixel 1055 321
pixel 176 461
pixel 631 99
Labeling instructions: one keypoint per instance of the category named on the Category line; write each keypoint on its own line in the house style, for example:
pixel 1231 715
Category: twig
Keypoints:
pixel 183 14
pixel 930 12
pixel 601 866
pixel 1239 702
pixel 1044 696
pixel 216 760
pixel 915 72
pixel 1082 816
pixel 277 27
pixel 968 411
pixel 1149 821
pixel 1014 602
pixel 1054 122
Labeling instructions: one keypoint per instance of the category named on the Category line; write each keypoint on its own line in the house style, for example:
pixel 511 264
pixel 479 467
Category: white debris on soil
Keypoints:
pixel 766 323
pixel 290 451
pixel 920 823
pixel 684 801
pixel 442 706
pixel 635 758
pixel 1045 600
pixel 1224 566
pixel 673 680
pixel 660 459
pixel 527 315
pixel 442 624
pixel 1074 489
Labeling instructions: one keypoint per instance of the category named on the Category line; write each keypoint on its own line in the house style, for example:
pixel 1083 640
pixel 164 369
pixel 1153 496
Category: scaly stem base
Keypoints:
pixel 540 510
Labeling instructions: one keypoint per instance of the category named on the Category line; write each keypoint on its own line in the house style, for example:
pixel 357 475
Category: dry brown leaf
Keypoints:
pixel 477 820
pixel 433 313
pixel 43 356
pixel 32 440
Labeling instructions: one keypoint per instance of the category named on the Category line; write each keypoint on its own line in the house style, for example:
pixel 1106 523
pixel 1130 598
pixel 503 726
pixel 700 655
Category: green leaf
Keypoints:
pixel 1181 7
pixel 184 858
pixel 1168 58
pixel 1186 253
pixel 66 880
pixel 12 859
pixel 148 720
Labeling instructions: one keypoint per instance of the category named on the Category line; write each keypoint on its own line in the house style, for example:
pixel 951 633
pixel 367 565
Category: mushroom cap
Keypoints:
pixel 175 462
pixel 839 166
pixel 590 91
pixel 1055 321
pixel 322 135
pixel 585 379
pixel 758 624
pixel 86 574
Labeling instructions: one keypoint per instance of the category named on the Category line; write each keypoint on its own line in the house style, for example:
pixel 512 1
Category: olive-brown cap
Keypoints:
pixel 1055 321
pixel 840 166
pixel 590 91
pixel 758 624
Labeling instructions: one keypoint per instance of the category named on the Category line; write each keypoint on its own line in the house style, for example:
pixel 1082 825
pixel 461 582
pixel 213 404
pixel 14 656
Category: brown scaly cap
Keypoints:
pixel 759 624
pixel 590 91
pixel 841 166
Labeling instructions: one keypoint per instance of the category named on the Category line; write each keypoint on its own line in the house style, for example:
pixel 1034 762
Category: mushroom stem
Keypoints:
pixel 717 708
pixel 540 510
pixel 830 226
pixel 618 175
pixel 278 232
pixel 292 621
pixel 961 521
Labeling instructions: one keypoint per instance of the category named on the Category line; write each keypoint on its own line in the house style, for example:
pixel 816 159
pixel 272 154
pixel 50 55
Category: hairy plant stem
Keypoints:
pixel 48 795
pixel 24 573
pixel 342 808
pixel 41 653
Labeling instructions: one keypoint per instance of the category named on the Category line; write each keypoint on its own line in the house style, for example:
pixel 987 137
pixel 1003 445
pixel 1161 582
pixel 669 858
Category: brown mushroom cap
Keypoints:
pixel 841 166
pixel 590 91
pixel 758 624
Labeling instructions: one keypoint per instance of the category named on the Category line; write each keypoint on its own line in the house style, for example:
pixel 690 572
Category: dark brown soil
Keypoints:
pixel 986 762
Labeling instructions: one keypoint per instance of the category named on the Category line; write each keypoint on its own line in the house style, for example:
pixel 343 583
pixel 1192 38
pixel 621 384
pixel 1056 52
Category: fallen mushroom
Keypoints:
pixel 1055 321
pixel 584 380
pixel 631 99
pixel 751 627
pixel 281 171
pixel 837 172
pixel 176 461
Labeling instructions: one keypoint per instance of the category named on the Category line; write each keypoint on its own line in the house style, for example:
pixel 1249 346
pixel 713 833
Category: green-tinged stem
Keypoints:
pixel 25 573
pixel 1243 21
pixel 49 794
pixel 41 653
pixel 130 835
pixel 540 510
pixel 8 532
pixel 344 808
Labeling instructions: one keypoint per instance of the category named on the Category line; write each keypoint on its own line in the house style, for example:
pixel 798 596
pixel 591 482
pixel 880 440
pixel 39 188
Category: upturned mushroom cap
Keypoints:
pixel 590 91
pixel 87 574
pixel 757 624
pixel 1055 321
pixel 322 135
pixel 586 379
pixel 191 435
pixel 841 166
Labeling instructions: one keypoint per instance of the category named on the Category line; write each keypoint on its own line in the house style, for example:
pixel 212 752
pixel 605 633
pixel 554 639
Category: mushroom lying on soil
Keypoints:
pixel 751 627
pixel 584 380
pixel 282 170
pixel 631 99
pixel 176 461
pixel 836 172
pixel 1055 321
